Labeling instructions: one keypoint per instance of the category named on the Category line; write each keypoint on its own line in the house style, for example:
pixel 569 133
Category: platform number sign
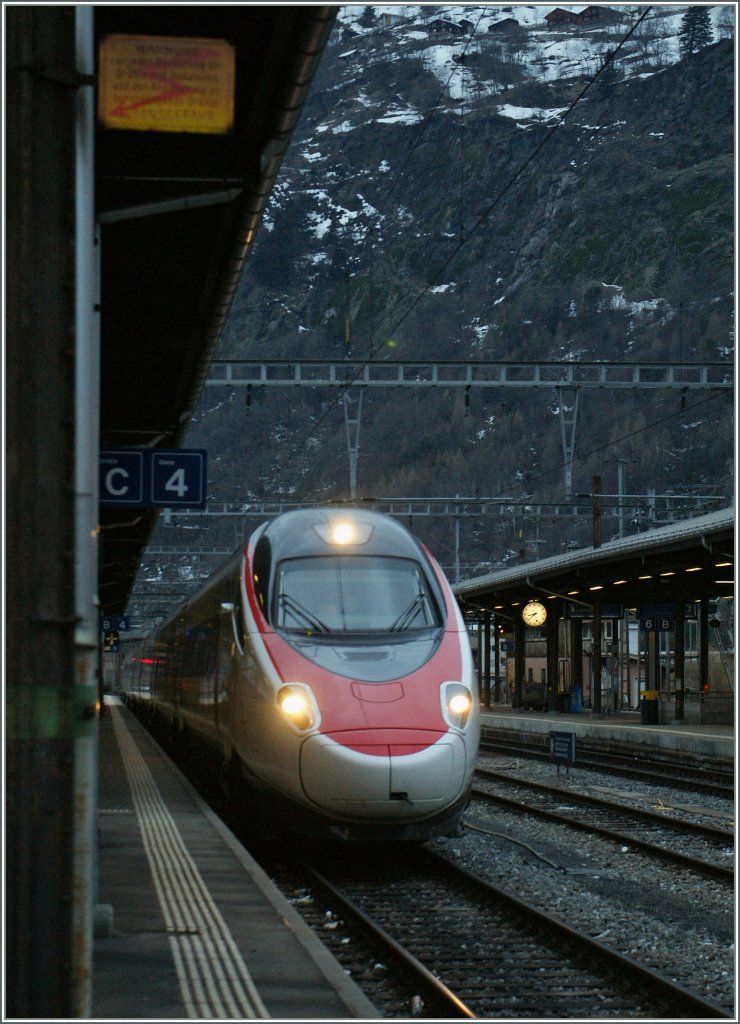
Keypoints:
pixel 153 477
pixel 657 624
pixel 178 478
pixel 122 477
pixel 661 618
pixel 116 624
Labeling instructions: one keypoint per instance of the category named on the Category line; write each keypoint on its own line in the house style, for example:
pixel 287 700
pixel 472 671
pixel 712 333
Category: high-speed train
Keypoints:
pixel 327 669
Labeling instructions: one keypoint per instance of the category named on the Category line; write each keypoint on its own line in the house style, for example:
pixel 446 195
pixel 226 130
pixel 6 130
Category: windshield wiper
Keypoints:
pixel 408 615
pixel 302 615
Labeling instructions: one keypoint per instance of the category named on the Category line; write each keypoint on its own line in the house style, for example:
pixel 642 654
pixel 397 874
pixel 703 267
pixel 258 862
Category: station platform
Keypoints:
pixel 187 924
pixel 715 741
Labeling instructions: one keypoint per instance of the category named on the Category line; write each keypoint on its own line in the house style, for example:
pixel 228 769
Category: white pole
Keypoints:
pixel 87 446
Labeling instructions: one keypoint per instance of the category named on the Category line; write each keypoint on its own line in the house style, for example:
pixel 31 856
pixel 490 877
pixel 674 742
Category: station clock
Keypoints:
pixel 534 613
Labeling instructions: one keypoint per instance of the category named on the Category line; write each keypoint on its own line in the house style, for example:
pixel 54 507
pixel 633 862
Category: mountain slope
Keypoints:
pixel 433 206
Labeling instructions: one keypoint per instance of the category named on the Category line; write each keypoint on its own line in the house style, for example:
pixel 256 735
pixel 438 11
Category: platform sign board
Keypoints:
pixel 657 623
pixel 178 478
pixel 167 84
pixel 661 618
pixel 153 477
pixel 563 747
pixel 116 624
pixel 121 477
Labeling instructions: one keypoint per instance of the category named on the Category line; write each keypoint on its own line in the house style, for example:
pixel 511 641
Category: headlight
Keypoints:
pixel 343 532
pixel 457 703
pixel 298 705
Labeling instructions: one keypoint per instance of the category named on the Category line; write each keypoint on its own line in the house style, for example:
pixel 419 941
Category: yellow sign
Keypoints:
pixel 166 84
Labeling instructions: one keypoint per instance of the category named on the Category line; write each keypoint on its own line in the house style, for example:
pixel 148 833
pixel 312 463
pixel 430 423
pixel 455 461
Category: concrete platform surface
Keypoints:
pixel 188 924
pixel 625 726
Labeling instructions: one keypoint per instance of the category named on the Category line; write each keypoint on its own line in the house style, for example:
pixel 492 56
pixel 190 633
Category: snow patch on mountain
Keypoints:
pixel 617 301
pixel 543 53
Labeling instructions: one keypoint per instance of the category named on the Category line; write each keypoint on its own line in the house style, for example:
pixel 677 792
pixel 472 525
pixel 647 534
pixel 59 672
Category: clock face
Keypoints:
pixel 534 613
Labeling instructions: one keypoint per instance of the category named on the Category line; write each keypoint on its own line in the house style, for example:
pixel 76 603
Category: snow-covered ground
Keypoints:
pixel 545 54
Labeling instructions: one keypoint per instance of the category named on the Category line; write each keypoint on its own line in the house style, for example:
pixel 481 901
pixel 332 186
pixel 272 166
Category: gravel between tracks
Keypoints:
pixel 663 916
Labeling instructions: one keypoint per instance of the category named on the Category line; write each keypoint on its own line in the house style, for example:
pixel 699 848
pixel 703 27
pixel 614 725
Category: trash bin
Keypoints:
pixel 649 707
pixel 576 699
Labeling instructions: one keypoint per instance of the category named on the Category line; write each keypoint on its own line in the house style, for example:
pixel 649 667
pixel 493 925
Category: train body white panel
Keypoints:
pixel 362 784
pixel 436 774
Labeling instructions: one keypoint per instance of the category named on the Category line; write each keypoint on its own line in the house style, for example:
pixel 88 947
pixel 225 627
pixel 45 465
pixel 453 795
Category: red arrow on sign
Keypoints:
pixel 157 73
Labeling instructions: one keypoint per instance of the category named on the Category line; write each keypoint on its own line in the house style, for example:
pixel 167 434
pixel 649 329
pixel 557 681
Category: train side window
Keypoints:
pixel 261 570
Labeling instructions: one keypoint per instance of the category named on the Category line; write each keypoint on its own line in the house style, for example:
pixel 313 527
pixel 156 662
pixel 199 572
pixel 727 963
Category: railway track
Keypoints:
pixel 604 756
pixel 472 949
pixel 699 847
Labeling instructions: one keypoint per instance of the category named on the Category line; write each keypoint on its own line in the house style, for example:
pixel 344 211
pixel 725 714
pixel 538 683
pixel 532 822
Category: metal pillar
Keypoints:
pixel 576 658
pixel 457 549
pixel 479 660
pixel 596 660
pixel 568 420
pixel 653 660
pixel 625 679
pixel 680 655
pixel 620 491
pixel 352 423
pixel 519 660
pixel 87 456
pixel 496 663
pixel 552 637
pixel 487 660
pixel 703 643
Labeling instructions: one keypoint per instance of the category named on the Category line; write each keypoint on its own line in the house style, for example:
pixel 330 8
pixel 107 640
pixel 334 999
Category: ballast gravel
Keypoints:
pixel 663 916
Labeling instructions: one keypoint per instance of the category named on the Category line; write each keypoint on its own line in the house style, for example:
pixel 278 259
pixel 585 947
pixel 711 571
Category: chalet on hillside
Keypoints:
pixel 594 13
pixel 585 17
pixel 561 17
pixel 507 25
pixel 442 25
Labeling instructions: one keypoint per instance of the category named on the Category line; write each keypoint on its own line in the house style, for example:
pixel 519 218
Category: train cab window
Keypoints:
pixel 353 594
pixel 261 570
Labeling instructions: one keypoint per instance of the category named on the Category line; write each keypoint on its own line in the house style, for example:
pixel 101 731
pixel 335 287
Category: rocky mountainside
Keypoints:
pixel 464 185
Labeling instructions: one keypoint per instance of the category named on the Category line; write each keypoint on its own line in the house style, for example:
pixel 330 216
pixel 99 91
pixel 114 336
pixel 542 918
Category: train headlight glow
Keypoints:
pixel 460 704
pixel 297 705
pixel 344 532
pixel 457 703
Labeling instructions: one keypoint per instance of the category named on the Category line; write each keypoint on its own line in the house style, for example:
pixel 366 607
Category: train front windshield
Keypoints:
pixel 353 594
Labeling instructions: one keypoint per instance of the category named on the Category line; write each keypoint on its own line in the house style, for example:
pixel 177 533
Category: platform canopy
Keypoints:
pixel 687 561
pixel 196 108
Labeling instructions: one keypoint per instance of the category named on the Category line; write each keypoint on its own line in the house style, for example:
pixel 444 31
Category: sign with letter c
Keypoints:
pixel 121 477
